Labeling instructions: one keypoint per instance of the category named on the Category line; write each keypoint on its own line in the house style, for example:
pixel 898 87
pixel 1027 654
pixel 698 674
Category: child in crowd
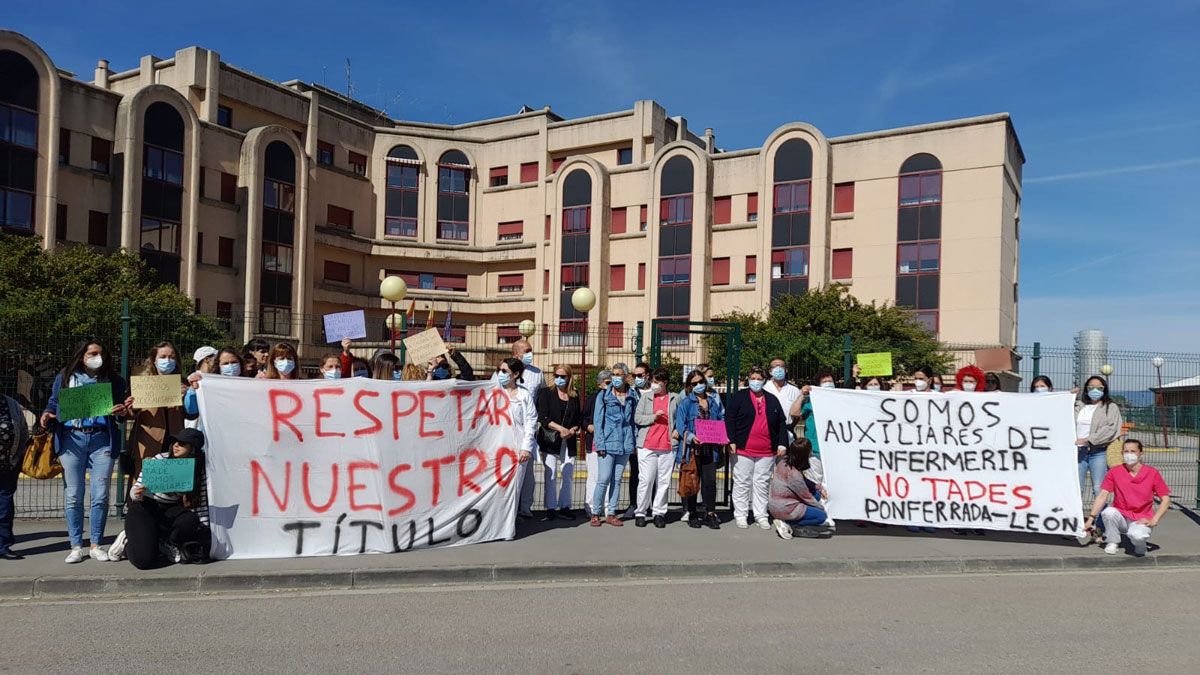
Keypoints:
pixel 794 502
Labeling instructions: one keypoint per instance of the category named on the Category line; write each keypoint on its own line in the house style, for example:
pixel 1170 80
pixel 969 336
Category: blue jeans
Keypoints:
pixel 1095 458
pixel 84 453
pixel 612 467
pixel 8 488
pixel 812 516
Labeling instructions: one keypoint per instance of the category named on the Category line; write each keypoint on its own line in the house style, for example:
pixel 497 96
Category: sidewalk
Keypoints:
pixel 562 551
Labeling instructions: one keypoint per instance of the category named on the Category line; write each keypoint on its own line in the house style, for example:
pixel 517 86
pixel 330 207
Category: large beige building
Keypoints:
pixel 272 203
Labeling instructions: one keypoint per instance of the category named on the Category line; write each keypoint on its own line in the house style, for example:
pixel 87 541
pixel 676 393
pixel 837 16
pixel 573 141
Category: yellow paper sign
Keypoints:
pixel 424 346
pixel 878 364
pixel 155 391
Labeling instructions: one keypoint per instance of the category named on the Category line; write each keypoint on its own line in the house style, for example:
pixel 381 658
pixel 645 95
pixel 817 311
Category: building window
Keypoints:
pixel 339 217
pixel 720 271
pixel 722 210
pixel 16 210
pixel 225 116
pixel 513 230
pixel 60 223
pixel 454 201
pixel 792 197
pixel 624 156
pixel 19 85
pixel 162 165
pixel 549 226
pixel 556 163
pixel 97 228
pixel 512 283
pixel 336 271
pixel 358 163
pixel 921 188
pixel 403 192
pixel 675 238
pixel 919 231
pixel 571 333
pixel 574 276
pixel 643 218
pixel 224 314
pixel 751 269
pixel 791 218
pixel 752 207
pixel 616 278
pixel 200 248
pixel 618 220
pixel 843 198
pixel 278 238
pixel 641 276
pixel 529 172
pixel 922 258
pixel 843 263
pixel 324 153
pixel 64 146
pixel 498 176
pixel 616 334
pixel 275 320
pixel 789 263
pixel 545 282
pixel 101 155
pixel 428 281
pixel 507 335
pixel 277 258
pixel 225 251
pixel 228 188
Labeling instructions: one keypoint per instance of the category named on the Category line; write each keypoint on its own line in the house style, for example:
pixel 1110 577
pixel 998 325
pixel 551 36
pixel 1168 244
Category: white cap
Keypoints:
pixel 203 353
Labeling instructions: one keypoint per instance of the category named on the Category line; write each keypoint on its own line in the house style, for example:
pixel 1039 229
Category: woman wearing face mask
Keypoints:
pixel 558 428
pixel 603 382
pixel 991 382
pixel 84 446
pixel 250 366
pixel 615 432
pixel 875 384
pixel 439 367
pixel 225 362
pixel 922 378
pixel 151 427
pixel 360 368
pixel 387 367
pixel 1041 385
pixel 331 367
pixel 1097 424
pixel 258 349
pixel 701 403
pixel 521 408
pixel 802 410
pixel 969 378
pixel 282 363
pixel 757 430
pixel 654 417
pixel 936 383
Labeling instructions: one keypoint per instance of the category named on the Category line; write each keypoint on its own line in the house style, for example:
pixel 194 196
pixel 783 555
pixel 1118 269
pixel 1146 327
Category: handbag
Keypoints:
pixel 40 461
pixel 689 477
pixel 548 437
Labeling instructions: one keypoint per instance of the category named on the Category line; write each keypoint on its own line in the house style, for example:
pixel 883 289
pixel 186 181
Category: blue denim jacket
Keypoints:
pixel 685 422
pixel 615 431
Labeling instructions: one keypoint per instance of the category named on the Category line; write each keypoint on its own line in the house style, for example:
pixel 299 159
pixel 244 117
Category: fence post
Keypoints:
pixel 126 319
pixel 847 360
pixel 1037 359
pixel 638 338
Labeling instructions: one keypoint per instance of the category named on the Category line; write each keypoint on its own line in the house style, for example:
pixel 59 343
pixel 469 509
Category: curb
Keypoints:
pixel 62 587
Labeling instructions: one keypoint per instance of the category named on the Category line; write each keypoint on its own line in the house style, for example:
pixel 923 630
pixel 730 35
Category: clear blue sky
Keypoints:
pixel 1105 97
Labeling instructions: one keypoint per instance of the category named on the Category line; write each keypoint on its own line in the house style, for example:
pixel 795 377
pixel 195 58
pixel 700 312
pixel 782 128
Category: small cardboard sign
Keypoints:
pixel 155 391
pixel 340 325
pixel 996 359
pixel 164 476
pixel 711 431
pixel 424 346
pixel 90 400
pixel 877 364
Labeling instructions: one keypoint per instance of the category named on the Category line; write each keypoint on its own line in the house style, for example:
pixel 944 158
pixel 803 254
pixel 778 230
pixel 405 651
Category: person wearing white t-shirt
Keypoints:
pixel 785 391
pixel 523 410
pixel 532 381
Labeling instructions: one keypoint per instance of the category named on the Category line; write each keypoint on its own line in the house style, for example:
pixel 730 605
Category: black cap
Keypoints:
pixel 192 437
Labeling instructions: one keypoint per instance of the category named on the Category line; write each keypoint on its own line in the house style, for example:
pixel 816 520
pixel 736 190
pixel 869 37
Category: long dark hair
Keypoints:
pixel 107 371
pixel 517 367
pixel 1040 379
pixel 1106 399
pixel 798 454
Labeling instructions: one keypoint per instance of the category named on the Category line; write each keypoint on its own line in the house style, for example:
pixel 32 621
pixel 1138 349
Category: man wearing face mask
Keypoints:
pixel 533 378
pixel 785 391
pixel 1133 487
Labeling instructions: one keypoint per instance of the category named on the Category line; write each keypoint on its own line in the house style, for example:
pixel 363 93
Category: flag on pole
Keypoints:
pixel 446 327
pixel 429 318
pixel 410 316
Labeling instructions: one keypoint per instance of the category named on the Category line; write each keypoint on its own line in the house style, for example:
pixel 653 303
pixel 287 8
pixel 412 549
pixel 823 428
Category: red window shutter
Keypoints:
pixel 513 228
pixel 722 207
pixel 545 335
pixel 529 172
pixel 336 215
pixel 751 204
pixel 507 332
pixel 843 263
pixel 545 282
pixel 642 216
pixel 555 163
pixel 454 282
pixel 720 271
pixel 843 198
pixel 751 265
pixel 547 227
pixel 618 220
pixel 512 281
pixel 642 275
pixel 616 334
pixel 616 278
pixel 498 172
pixel 664 210
pixel 336 271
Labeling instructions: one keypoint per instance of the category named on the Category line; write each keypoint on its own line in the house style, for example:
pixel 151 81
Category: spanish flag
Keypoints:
pixel 429 318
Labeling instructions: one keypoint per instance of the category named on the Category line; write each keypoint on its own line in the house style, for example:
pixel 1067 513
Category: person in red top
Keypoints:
pixel 1133 487
pixel 656 448
pixel 757 429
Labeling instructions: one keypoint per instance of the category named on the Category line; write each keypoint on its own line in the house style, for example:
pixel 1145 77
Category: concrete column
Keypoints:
pixel 146 71
pixel 212 87
pixel 48 208
pixel 102 73
pixel 191 209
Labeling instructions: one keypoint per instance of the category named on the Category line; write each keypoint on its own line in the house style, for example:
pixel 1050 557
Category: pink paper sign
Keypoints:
pixel 711 431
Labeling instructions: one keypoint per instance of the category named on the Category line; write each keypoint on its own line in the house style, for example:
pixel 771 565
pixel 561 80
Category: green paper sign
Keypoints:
pixel 90 400
pixel 878 364
pixel 169 475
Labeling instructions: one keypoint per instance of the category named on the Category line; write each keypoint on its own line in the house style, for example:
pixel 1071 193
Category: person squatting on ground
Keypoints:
pixel 1133 487
pixel 795 500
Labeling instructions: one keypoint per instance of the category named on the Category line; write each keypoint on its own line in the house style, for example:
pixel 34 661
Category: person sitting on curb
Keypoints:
pixel 793 502
pixel 1133 487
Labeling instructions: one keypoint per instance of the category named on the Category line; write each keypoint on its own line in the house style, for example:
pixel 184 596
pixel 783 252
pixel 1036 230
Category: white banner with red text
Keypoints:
pixel 993 461
pixel 351 466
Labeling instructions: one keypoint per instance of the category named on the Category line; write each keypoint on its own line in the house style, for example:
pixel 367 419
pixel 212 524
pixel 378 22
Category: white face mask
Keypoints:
pixel 1041 389
pixel 93 362
pixel 872 387
pixel 968 386
pixel 828 385
pixel 1130 458
pixel 655 387
pixel 920 385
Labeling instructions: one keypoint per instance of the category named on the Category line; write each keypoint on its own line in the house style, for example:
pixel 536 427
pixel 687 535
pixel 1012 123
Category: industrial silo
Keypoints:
pixel 1091 352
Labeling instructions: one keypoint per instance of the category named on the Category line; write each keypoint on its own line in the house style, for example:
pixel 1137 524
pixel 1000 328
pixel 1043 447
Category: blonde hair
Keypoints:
pixel 572 392
pixel 413 372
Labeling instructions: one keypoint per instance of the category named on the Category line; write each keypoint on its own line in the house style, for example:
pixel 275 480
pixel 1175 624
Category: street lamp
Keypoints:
pixel 526 328
pixel 393 289
pixel 1160 398
pixel 583 300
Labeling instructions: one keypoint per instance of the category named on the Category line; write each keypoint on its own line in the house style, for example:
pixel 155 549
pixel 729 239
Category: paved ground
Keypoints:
pixel 1064 623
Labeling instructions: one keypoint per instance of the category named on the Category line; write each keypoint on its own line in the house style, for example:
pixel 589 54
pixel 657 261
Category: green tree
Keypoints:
pixel 806 331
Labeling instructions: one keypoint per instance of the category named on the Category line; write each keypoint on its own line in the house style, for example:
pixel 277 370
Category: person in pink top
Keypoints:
pixel 1133 487
pixel 656 448
pixel 757 429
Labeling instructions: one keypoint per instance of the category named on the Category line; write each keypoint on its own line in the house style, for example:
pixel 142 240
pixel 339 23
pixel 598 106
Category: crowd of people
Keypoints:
pixel 633 419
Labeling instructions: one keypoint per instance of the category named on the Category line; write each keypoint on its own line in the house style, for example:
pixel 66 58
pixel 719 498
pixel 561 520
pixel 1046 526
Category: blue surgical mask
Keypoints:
pixel 1095 394
pixel 756 386
pixel 334 374
pixel 619 384
pixel 1041 389
pixel 285 366
pixel 639 382
pixel 361 373
pixel 828 385
pixel 560 382
pixel 936 387
pixel 165 366
pixel 778 373
pixel 231 369
pixel 527 358
pixel 397 375
pixel 441 373
pixel 503 378
pixel 699 387
pixel 712 381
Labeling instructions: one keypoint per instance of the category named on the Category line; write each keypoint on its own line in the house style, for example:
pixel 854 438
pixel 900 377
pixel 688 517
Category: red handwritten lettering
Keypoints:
pixel 400 490
pixel 435 469
pixel 353 486
pixel 321 414
pixel 505 476
pixel 376 423
pixel 279 417
pixel 397 413
pixel 304 473
pixel 257 472
pixel 465 478
pixel 459 395
pixel 1022 492
pixel 427 414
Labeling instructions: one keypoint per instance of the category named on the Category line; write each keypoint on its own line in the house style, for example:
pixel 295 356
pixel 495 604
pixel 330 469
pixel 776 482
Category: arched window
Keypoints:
pixel 675 241
pixel 278 239
pixel 791 220
pixel 919 235
pixel 576 250
pixel 162 191
pixel 454 198
pixel 18 141
pixel 403 192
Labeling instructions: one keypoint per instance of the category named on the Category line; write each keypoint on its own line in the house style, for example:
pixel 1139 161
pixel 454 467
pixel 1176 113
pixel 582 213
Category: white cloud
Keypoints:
pixel 1115 171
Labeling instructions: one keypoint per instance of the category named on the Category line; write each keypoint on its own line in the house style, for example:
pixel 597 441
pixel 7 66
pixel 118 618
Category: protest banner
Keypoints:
pixel 169 475
pixel 424 345
pixel 311 467
pixel 711 431
pixel 991 461
pixel 156 391
pixel 340 325
pixel 878 364
pixel 90 400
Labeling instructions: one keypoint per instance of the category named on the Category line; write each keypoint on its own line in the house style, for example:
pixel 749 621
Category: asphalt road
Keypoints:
pixel 1061 623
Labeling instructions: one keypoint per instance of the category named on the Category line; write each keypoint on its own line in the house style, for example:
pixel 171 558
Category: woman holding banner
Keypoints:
pixel 522 408
pixel 558 430
pixel 387 367
pixel 281 363
pixel 152 426
pixel 757 428
pixel 702 402
pixel 84 444
pixel 1097 423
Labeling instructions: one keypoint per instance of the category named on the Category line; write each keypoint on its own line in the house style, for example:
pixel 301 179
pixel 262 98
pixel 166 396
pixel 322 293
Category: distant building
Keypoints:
pixel 1180 392
pixel 1091 353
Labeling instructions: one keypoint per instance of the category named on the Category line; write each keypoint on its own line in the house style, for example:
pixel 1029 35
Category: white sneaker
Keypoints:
pixel 783 529
pixel 763 523
pixel 99 554
pixel 76 555
pixel 117 550
pixel 1112 549
pixel 741 522
pixel 684 519
pixel 828 524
